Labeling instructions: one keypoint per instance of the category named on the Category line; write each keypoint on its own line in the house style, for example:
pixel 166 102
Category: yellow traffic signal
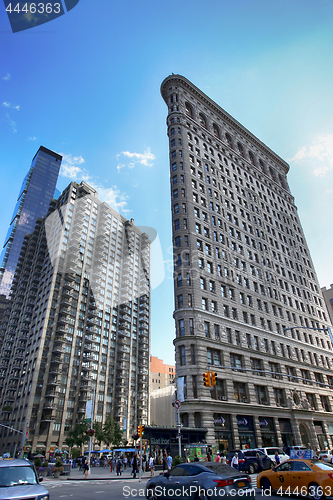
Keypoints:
pixel 214 375
pixel 141 430
pixel 206 379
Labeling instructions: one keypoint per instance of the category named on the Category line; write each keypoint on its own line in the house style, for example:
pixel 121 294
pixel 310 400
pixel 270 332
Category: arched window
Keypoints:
pixel 188 109
pixel 202 120
pixel 240 148
pixel 273 174
pixel 229 140
pixel 251 156
pixel 189 136
pixel 216 131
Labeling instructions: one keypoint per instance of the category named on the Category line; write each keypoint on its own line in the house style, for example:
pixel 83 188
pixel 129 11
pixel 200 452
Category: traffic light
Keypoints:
pixel 141 430
pixel 214 375
pixel 206 379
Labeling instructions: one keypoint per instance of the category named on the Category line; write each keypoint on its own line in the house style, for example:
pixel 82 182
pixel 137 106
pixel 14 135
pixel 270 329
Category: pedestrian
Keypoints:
pixel 83 461
pixel 135 466
pixel 234 461
pixel 164 462
pixel 119 467
pixel 86 469
pixel 217 459
pixel 209 457
pixel 169 461
pixel 196 458
pixel 151 465
pixel 260 463
pixel 125 462
pixel 277 458
pixel 224 459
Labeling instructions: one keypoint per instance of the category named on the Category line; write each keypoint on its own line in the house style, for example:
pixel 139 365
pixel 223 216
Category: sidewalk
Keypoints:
pixel 99 473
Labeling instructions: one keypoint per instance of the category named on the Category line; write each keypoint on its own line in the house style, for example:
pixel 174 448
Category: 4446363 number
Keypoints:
pixel 33 8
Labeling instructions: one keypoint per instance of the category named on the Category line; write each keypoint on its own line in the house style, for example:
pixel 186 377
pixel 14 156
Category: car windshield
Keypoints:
pixel 15 476
pixel 323 466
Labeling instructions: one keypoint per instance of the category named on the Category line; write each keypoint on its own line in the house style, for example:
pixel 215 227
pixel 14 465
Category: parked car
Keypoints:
pixel 325 455
pixel 18 479
pixel 299 477
pixel 190 480
pixel 270 452
pixel 248 461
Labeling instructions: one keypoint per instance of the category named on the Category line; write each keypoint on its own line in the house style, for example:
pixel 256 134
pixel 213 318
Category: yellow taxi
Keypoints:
pixel 298 477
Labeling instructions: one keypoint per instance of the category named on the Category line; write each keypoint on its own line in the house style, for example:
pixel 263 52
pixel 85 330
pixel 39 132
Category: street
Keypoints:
pixel 115 489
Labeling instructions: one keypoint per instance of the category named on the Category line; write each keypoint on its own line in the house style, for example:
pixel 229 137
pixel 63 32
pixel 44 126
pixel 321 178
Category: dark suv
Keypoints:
pixel 248 461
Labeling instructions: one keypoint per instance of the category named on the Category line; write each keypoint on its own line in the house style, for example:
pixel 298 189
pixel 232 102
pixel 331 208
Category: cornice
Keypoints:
pixel 181 80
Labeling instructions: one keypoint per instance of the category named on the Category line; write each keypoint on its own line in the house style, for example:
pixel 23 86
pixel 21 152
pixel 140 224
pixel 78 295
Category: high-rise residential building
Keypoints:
pixel 161 375
pixel 33 201
pixel 78 324
pixel 328 297
pixel 248 304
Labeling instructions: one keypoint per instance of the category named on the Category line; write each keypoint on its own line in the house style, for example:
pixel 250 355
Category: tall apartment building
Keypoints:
pixel 37 191
pixel 246 291
pixel 161 375
pixel 78 324
pixel 328 297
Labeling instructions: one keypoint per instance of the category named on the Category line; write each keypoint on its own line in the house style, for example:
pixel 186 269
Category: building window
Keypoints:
pixel 240 392
pixel 192 354
pixel 217 331
pixel 180 301
pixel 279 397
pixel 191 326
pixel 181 327
pixel 236 362
pixel 194 384
pixel 206 329
pixel 182 358
pixel 261 394
pixel 204 304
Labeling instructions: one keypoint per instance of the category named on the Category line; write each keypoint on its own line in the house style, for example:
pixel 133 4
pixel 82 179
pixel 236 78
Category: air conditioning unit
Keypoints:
pixel 222 398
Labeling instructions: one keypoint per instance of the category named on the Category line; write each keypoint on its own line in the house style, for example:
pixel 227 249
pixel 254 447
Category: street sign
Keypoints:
pixel 177 404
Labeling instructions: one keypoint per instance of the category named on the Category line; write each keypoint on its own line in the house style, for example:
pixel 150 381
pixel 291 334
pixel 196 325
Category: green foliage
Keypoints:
pixel 38 462
pixel 79 435
pixel 99 432
pixel 177 460
pixel 45 463
pixel 112 432
pixel 58 462
pixel 76 453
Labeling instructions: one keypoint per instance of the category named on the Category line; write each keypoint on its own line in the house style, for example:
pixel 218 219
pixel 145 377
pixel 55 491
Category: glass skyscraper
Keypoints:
pixel 37 191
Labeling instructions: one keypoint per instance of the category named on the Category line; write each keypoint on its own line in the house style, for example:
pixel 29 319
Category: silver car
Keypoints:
pixel 200 480
pixel 18 479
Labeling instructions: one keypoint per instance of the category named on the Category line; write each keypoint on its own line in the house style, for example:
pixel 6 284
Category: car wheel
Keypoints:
pixel 252 469
pixel 265 484
pixel 316 492
pixel 151 494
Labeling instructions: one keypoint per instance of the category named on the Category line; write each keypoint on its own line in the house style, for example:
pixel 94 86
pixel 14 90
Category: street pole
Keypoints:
pixel 91 426
pixel 20 432
pixel 179 437
pixel 24 438
pixel 140 470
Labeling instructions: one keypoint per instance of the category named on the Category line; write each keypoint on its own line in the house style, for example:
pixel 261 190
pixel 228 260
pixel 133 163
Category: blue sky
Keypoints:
pixel 87 85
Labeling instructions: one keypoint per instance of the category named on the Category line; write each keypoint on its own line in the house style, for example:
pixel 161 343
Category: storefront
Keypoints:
pixel 268 433
pixel 160 439
pixel 223 433
pixel 246 431
pixel 286 432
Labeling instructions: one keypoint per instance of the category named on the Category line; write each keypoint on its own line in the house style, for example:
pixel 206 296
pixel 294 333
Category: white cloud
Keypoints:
pixel 320 153
pixel 146 159
pixel 113 197
pixel 71 167
pixel 11 123
pixel 7 77
pixel 33 138
pixel 8 105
